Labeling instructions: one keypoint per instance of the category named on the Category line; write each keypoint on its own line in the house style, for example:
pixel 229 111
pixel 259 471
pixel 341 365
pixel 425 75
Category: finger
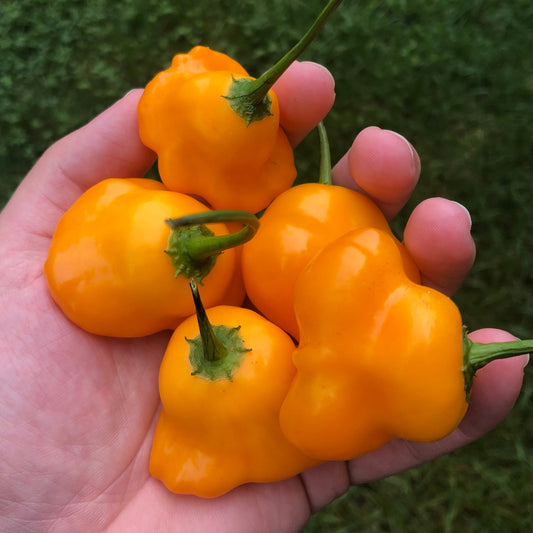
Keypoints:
pixel 383 165
pixel 306 93
pixel 324 483
pixel 108 146
pixel 437 236
pixel 496 388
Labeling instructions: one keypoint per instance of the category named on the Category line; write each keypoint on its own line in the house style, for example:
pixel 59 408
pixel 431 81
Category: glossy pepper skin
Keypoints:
pixel 212 436
pixel 107 268
pixel 380 357
pixel 156 110
pixel 294 228
pixel 203 146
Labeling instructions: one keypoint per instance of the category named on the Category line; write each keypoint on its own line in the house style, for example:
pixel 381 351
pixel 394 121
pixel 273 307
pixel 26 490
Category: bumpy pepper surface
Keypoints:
pixel 107 268
pixel 203 146
pixel 219 423
pixel 216 130
pixel 380 357
pixel 294 228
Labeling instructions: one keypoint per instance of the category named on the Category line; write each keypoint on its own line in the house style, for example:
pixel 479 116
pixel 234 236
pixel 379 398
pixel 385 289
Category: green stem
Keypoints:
pixel 476 355
pixel 249 98
pixel 217 351
pixel 265 82
pixel 324 176
pixel 193 248
pixel 213 349
pixel 204 247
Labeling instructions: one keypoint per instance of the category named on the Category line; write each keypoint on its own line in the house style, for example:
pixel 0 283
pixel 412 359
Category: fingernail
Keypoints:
pixel 412 152
pixel 414 159
pixel 326 71
pixel 466 212
pixel 322 68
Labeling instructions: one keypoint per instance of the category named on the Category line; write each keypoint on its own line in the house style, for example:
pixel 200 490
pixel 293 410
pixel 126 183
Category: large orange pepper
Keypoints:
pixel 221 389
pixel 294 228
pixel 380 356
pixel 216 130
pixel 107 268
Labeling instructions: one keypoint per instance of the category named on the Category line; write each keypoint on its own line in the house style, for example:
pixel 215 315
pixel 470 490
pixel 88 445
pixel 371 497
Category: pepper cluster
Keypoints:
pixel 300 336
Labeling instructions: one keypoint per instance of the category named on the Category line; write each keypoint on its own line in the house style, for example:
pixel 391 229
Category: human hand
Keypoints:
pixel 79 410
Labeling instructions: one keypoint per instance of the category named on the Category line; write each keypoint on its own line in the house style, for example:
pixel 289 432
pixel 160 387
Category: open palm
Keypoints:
pixel 78 411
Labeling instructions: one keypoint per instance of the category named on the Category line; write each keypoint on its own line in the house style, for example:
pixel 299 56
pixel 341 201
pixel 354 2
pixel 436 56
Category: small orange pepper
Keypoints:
pixel 294 228
pixel 156 110
pixel 107 268
pixel 216 129
pixel 380 356
pixel 221 389
pixel 208 150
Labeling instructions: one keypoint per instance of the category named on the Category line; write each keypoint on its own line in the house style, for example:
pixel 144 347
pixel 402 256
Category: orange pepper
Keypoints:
pixel 216 130
pixel 156 110
pixel 210 151
pixel 236 292
pixel 180 111
pixel 294 228
pixel 107 268
pixel 221 389
pixel 380 357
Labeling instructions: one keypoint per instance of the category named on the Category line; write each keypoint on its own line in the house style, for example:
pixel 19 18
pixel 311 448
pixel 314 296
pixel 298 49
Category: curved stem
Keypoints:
pixel 324 176
pixel 249 97
pixel 206 246
pixel 270 77
pixel 476 355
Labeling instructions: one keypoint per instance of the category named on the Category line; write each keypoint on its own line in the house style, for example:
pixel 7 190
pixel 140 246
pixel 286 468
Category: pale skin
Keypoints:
pixel 78 411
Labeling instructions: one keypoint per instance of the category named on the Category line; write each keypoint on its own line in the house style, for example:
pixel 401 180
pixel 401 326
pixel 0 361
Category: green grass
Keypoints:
pixel 454 77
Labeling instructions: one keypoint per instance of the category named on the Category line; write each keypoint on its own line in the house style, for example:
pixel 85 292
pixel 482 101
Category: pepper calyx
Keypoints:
pixel 249 97
pixel 468 369
pixel 226 366
pixel 178 250
pixel 476 355
pixel 193 248
pixel 246 97
pixel 217 351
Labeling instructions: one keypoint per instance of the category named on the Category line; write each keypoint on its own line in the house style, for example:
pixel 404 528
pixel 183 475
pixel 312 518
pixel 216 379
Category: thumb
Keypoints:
pixel 108 146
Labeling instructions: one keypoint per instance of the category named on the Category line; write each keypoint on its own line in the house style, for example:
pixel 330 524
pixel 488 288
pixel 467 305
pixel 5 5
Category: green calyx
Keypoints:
pixel 179 251
pixel 476 355
pixel 217 352
pixel 229 358
pixel 193 248
pixel 249 97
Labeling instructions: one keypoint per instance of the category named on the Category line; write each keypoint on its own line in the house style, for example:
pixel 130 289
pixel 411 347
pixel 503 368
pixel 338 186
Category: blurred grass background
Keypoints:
pixel 454 77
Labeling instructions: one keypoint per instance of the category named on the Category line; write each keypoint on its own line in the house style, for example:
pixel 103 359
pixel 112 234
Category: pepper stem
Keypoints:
pixel 213 349
pixel 217 352
pixel 324 176
pixel 249 98
pixel 200 249
pixel 476 355
pixel 193 248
